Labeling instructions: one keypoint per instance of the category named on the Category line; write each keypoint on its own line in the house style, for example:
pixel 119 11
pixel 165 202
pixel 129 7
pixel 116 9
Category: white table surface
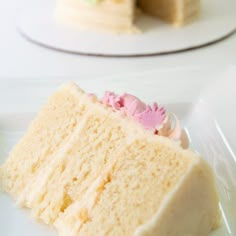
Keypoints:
pixel 20 58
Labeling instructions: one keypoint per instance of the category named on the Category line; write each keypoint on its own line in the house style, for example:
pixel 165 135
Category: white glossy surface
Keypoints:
pixel 36 23
pixel 211 125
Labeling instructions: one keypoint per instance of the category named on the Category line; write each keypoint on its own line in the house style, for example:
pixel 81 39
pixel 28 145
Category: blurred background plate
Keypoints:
pixel 216 22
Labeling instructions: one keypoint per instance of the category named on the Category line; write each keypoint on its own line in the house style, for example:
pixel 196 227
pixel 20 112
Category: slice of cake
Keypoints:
pixel 119 15
pixel 116 166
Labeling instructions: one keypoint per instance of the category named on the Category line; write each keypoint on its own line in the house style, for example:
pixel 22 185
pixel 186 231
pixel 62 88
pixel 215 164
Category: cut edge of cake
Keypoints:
pixel 178 13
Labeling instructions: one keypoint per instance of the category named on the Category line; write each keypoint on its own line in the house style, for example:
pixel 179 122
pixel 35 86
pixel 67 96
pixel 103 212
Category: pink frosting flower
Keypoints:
pixel 149 117
pixel 113 100
pixel 152 118
pixel 132 105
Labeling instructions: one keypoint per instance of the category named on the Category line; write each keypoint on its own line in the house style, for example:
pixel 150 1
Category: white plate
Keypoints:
pixel 208 124
pixel 216 22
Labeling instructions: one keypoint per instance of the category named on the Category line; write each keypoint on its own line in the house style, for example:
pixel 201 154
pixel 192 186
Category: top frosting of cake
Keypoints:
pixel 152 117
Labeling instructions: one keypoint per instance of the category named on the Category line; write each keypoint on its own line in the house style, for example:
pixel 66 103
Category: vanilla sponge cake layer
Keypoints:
pixel 177 12
pixel 144 175
pixel 117 16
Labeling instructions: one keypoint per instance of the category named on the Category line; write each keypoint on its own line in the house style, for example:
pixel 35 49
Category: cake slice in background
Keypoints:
pixel 111 166
pixel 120 16
pixel 176 12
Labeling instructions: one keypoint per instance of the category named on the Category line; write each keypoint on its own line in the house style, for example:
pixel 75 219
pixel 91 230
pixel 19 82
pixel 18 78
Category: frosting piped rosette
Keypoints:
pixel 152 117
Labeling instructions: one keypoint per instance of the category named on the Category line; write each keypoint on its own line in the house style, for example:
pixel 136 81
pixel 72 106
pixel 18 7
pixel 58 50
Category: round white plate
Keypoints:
pixel 216 22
